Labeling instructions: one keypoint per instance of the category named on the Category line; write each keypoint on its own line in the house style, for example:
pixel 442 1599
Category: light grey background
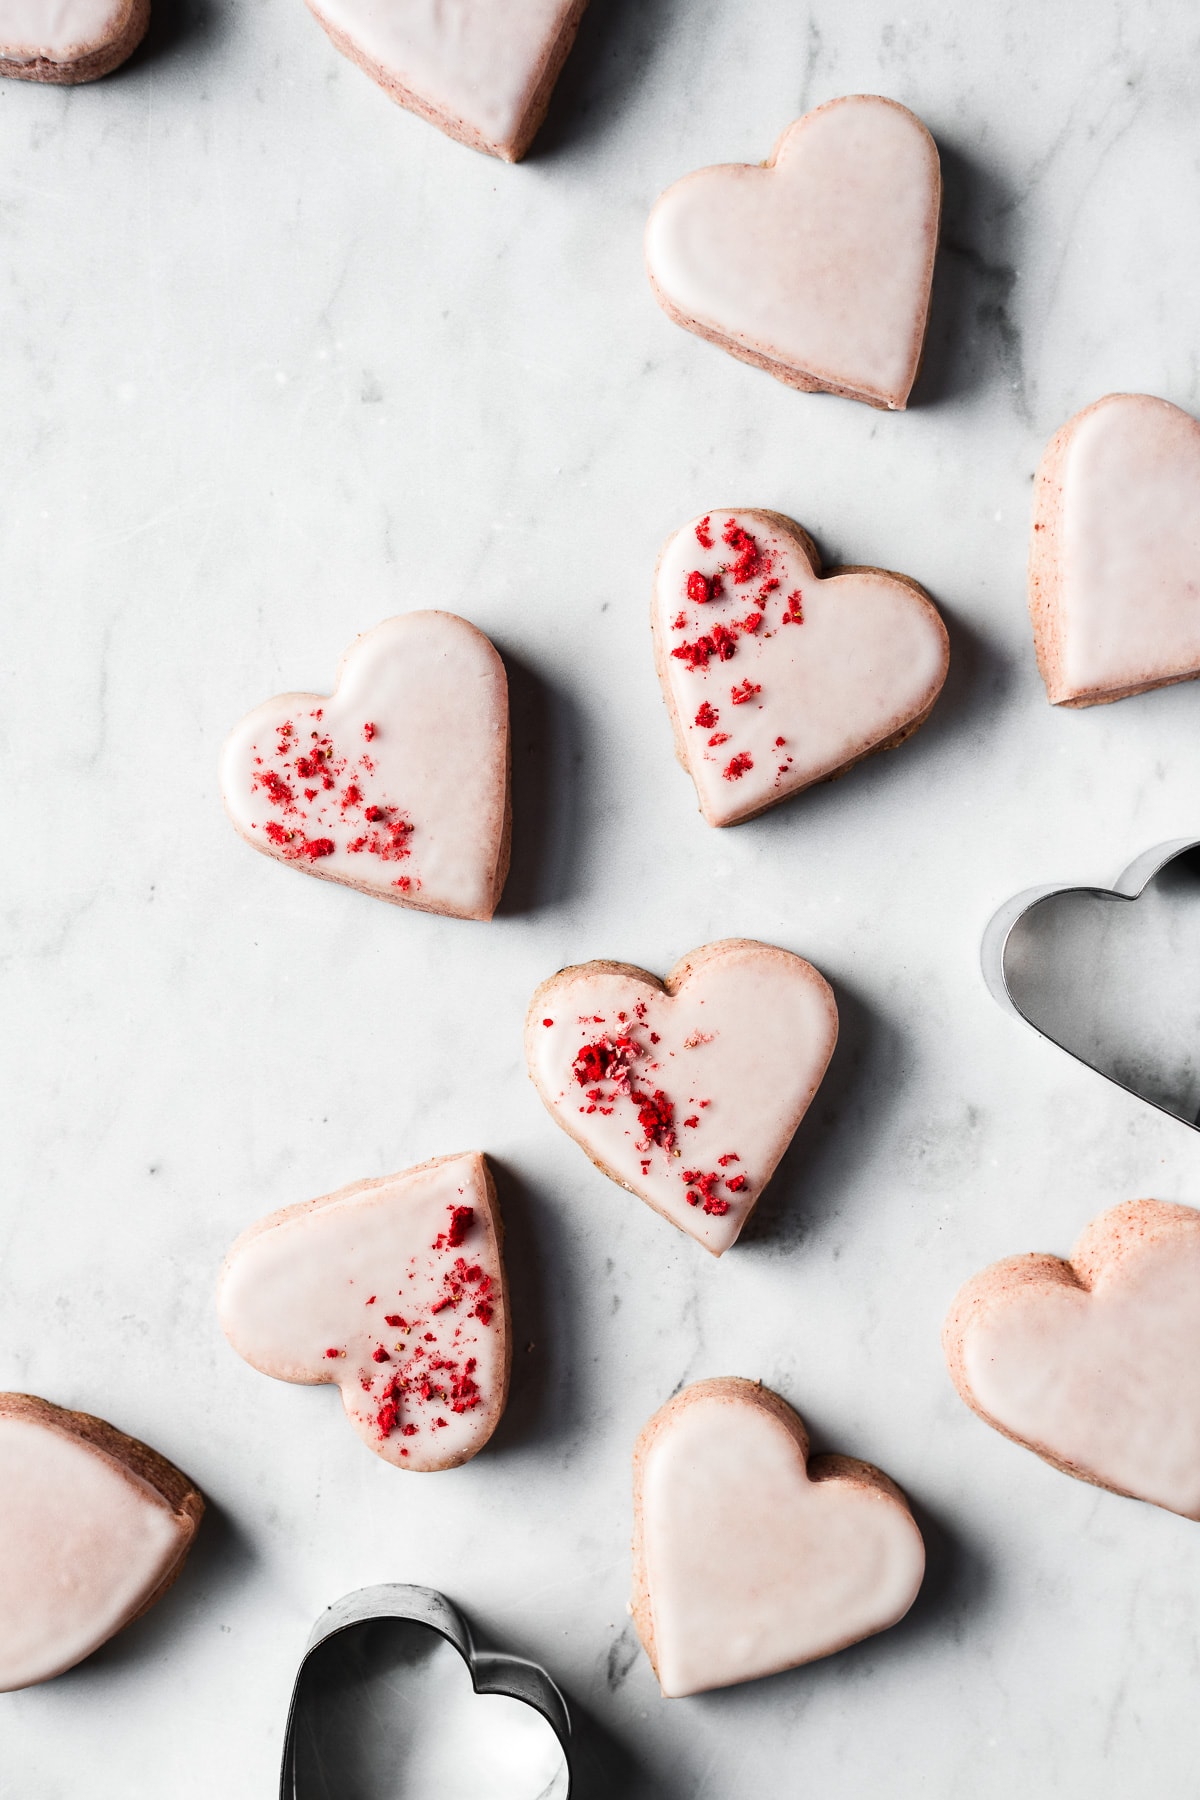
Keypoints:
pixel 278 360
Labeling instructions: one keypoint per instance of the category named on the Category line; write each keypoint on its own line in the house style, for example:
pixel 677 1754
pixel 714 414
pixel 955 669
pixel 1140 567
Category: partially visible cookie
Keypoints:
pixel 1114 556
pixel 394 1290
pixel 482 72
pixel 94 1528
pixel 816 265
pixel 1094 1363
pixel 747 1557
pixel 69 41
pixel 397 783
pixel 775 676
pixel 685 1091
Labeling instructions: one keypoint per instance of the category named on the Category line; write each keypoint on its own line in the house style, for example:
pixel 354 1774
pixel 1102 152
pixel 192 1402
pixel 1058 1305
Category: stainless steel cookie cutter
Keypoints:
pixel 491 1671
pixel 1004 929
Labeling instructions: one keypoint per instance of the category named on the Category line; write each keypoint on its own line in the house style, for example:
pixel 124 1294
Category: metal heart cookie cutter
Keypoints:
pixel 1099 1009
pixel 380 1707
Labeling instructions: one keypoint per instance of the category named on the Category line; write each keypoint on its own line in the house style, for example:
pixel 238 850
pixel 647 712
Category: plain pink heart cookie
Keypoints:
pixel 685 1091
pixel 483 73
pixel 94 1528
pixel 69 41
pixel 1094 1363
pixel 397 783
pixel 395 1291
pixel 747 1557
pixel 776 677
pixel 817 265
pixel 1114 559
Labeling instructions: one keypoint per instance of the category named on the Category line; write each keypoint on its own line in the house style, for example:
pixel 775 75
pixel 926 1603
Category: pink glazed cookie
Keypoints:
pixel 776 677
pixel 1114 559
pixel 686 1091
pixel 94 1528
pixel 816 265
pixel 69 41
pixel 397 783
pixel 395 1291
pixel 482 71
pixel 1094 1364
pixel 747 1557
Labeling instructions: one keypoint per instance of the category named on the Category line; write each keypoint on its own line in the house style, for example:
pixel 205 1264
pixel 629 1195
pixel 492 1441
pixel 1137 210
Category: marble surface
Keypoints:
pixel 278 360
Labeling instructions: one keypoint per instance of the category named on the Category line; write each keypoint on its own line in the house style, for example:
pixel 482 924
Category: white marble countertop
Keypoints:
pixel 277 360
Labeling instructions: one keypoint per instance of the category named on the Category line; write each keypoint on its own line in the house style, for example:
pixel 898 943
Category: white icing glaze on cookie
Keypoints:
pixel 818 265
pixel 774 677
pixel 688 1095
pixel 59 30
pixel 746 1562
pixel 397 783
pixel 1114 571
pixel 479 70
pixel 85 1543
pixel 395 1291
pixel 1095 1363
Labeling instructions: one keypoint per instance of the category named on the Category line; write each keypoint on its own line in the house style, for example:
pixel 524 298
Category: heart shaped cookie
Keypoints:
pixel 816 265
pixel 398 782
pixel 69 41
pixel 776 677
pixel 482 73
pixel 748 1558
pixel 1094 1363
pixel 395 1291
pixel 94 1528
pixel 685 1091
pixel 1114 560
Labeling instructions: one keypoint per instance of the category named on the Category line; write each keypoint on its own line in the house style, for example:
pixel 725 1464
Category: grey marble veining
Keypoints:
pixel 277 360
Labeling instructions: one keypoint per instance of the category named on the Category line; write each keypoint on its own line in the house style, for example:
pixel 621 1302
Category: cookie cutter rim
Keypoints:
pixel 1129 886
pixel 491 1671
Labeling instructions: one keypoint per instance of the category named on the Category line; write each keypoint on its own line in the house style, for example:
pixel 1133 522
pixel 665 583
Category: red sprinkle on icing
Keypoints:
pixel 707 716
pixel 718 737
pixel 368 732
pixel 656 1116
pixel 747 690
pixel 701 1192
pixel 695 655
pixel 738 766
pixel 704 535
pixel 333 1353
pixel 794 608
pixel 295 846
pixel 749 557
pixel 461 1220
pixel 299 834
pixel 698 589
pixel 547 1021
pixel 379 1354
